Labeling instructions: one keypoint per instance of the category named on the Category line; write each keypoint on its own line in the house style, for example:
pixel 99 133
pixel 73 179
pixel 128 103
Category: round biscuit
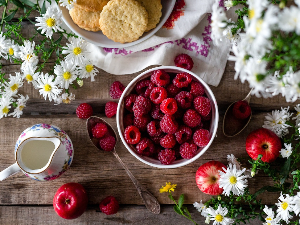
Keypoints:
pixel 92 5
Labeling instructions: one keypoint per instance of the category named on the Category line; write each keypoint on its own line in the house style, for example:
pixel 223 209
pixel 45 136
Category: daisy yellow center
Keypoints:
pixel 251 13
pixel 269 218
pixel 67 75
pixel 298 113
pixel 29 56
pixel 284 205
pixel 29 77
pixel 259 25
pixel 11 51
pixel 219 218
pixel 280 122
pixel 232 180
pixel 70 1
pixel 50 22
pixel 14 87
pixel 89 68
pixel 21 107
pixel 5 110
pixel 47 87
pixel 77 51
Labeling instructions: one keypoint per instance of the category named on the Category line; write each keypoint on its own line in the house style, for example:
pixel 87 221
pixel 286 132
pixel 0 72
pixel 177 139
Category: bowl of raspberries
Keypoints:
pixel 167 117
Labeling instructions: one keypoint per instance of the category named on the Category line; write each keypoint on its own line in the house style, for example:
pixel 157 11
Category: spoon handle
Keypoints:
pixel 150 201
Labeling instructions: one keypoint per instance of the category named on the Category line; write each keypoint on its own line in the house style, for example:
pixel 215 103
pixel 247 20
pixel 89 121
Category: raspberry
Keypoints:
pixel 99 130
pixel 202 105
pixel 207 118
pixel 129 101
pixel 201 137
pixel 116 89
pixel 144 87
pixel 191 118
pixel 141 106
pixel 107 143
pixel 153 128
pixel 188 151
pixel 168 106
pixel 109 205
pixel 241 110
pixel 142 122
pixel 166 156
pixel 156 113
pixel 182 80
pixel 84 111
pixel 156 139
pixel 197 89
pixel 132 135
pixel 145 147
pixel 111 109
pixel 183 134
pixel 168 141
pixel 179 114
pixel 172 90
pixel 168 124
pixel 158 94
pixel 128 120
pixel 160 78
pixel 184 61
pixel 184 99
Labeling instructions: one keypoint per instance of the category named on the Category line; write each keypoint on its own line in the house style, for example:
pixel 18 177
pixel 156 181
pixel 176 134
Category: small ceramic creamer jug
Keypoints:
pixel 43 152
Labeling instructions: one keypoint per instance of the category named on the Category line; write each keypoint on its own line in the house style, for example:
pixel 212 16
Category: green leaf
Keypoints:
pixel 285 170
pixel 180 201
pixel 9 17
pixel 58 40
pixel 18 3
pixel 185 209
pixel 29 3
pixel 177 210
pixel 266 188
pixel 43 9
pixel 171 197
pixel 2 2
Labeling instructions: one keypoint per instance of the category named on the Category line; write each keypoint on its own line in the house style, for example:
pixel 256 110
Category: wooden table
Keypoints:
pixel 25 201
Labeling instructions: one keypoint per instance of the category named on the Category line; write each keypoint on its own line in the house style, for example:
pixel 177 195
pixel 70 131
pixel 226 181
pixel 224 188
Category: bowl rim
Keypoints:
pixel 184 161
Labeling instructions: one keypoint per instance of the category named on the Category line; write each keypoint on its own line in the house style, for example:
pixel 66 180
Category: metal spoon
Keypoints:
pixel 150 201
pixel 233 126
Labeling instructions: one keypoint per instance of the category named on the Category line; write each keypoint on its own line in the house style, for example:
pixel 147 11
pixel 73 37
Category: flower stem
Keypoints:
pixel 3 15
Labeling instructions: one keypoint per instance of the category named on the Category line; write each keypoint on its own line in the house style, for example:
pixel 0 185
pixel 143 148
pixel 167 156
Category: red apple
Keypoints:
pixel 263 142
pixel 207 177
pixel 70 201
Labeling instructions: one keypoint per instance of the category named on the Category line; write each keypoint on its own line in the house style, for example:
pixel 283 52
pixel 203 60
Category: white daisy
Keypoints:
pixel 292 79
pixel 30 75
pixel 218 23
pixel 297 117
pixel 3 45
pixel 201 208
pixel 285 206
pixel 21 102
pixel 256 8
pixel 66 73
pixel 296 203
pixel 48 86
pixel 50 21
pixel 233 38
pixel 27 55
pixel 289 19
pixel 87 70
pixel 275 85
pixel 14 83
pixel 65 98
pixel 76 50
pixel 270 219
pixel 218 216
pixel 69 4
pixel 228 4
pixel 12 49
pixel 287 151
pixel 5 102
pixel 232 180
pixel 80 82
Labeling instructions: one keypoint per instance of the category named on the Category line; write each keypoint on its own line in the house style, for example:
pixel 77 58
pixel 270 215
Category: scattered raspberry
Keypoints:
pixel 107 143
pixel 99 130
pixel 188 151
pixel 132 135
pixel 128 120
pixel 160 78
pixel 182 80
pixel 241 110
pixel 168 106
pixel 197 89
pixel 141 106
pixel 202 105
pixel 183 134
pixel 201 137
pixel 145 147
pixel 153 128
pixel 184 99
pixel 168 124
pixel 111 109
pixel 184 61
pixel 191 118
pixel 158 94
pixel 172 90
pixel 207 118
pixel 84 111
pixel 116 89
pixel 168 141
pixel 156 113
pixel 142 122
pixel 142 86
pixel 166 156
pixel 129 101
pixel 109 205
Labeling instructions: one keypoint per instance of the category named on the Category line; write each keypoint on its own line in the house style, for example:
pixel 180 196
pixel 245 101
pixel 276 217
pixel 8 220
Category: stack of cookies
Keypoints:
pixel 120 20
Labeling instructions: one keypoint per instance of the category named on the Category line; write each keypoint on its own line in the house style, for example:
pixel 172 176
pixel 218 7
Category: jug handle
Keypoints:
pixel 9 171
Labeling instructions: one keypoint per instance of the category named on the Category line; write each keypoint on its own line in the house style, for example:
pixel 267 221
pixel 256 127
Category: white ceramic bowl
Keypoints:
pixel 99 39
pixel 154 162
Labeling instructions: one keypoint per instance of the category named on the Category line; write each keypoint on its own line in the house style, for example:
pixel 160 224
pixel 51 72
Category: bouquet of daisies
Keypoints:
pixel 265 44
